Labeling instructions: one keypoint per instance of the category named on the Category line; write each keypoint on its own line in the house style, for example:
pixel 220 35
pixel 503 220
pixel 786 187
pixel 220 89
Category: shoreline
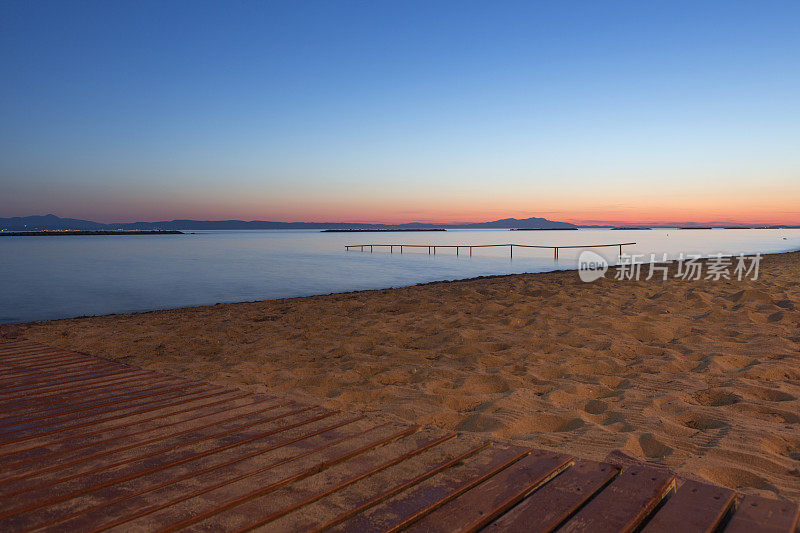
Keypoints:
pixel 62 233
pixel 356 291
pixel 702 377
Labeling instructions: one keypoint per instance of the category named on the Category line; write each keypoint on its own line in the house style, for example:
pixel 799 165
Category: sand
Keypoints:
pixel 701 376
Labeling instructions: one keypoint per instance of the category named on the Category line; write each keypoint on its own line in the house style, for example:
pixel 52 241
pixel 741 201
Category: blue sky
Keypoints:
pixel 398 111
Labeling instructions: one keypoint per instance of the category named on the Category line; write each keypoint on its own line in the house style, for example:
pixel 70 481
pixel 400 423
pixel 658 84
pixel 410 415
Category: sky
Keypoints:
pixel 398 111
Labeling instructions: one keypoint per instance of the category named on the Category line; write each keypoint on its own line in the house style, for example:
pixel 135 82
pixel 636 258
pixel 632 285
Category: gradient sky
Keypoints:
pixel 401 111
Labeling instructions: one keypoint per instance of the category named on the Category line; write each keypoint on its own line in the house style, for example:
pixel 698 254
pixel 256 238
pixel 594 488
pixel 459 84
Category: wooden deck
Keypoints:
pixel 88 444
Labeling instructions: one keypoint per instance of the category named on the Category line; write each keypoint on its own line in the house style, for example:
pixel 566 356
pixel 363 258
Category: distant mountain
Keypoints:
pixel 52 222
pixel 41 222
pixel 524 223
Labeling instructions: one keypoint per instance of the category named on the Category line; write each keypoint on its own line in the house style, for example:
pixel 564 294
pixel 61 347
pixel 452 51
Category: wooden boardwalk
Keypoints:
pixel 88 444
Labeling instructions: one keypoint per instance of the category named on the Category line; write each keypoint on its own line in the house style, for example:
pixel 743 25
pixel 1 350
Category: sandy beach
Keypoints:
pixel 701 376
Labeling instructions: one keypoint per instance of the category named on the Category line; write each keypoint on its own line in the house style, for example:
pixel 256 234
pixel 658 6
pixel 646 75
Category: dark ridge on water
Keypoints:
pixel 696 227
pixel 632 227
pixel 387 230
pixel 83 232
pixel 542 229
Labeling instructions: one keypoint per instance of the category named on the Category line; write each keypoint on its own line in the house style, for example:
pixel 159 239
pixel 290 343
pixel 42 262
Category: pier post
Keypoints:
pixel 511 255
pixel 401 248
pixel 470 251
pixel 456 251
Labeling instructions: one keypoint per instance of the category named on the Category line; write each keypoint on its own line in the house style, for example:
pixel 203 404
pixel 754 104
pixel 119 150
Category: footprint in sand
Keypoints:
pixel 479 422
pixel 770 395
pixel 595 407
pixel 702 422
pixel 734 477
pixel 775 317
pixel 646 445
pixel 544 422
pixel 716 397
pixel 485 384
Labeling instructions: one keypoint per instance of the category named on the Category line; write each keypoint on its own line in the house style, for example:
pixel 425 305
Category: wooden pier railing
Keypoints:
pixel 432 247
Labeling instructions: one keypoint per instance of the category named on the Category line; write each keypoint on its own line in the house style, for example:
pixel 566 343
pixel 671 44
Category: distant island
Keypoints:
pixel 541 229
pixel 378 230
pixel 65 233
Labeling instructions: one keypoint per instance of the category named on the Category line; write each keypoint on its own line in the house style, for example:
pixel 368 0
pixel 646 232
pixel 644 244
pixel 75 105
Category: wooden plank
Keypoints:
pixel 47 378
pixel 191 514
pixel 22 344
pixel 46 362
pixel 201 394
pixel 552 504
pixel 624 503
pixel 122 502
pixel 120 395
pixel 133 432
pixel 480 505
pixel 439 455
pixel 68 437
pixel 115 445
pixel 23 429
pixel 42 402
pixel 25 390
pixel 43 391
pixel 26 503
pixel 76 388
pixel 409 506
pixel 19 353
pixel 40 359
pixel 11 345
pixel 755 514
pixel 695 507
pixel 18 380
pixel 344 491
pixel 83 477
pixel 12 368
pixel 7 354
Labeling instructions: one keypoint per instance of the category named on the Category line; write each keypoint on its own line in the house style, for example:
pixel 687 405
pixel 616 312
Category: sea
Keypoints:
pixel 55 277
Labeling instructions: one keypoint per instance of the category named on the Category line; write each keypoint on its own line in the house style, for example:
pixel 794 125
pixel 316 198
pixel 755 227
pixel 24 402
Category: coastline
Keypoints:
pixel 62 233
pixel 703 377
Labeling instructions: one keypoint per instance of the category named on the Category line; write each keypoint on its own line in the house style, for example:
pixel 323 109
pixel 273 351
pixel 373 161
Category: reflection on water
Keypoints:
pixel 57 277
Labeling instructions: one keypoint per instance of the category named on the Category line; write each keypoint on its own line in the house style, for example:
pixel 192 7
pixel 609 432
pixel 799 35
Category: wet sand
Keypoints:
pixel 701 376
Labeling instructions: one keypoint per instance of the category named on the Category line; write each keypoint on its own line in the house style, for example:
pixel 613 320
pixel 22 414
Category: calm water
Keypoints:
pixel 59 277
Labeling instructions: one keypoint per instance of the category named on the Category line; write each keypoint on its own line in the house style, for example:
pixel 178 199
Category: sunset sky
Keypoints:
pixel 588 112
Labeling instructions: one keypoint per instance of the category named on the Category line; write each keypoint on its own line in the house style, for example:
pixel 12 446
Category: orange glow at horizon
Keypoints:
pixel 590 202
pixel 381 213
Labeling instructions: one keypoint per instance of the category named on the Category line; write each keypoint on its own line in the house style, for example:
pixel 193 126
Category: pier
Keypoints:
pixel 432 247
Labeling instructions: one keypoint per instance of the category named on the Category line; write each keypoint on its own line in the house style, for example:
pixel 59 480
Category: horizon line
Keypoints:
pixel 572 221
